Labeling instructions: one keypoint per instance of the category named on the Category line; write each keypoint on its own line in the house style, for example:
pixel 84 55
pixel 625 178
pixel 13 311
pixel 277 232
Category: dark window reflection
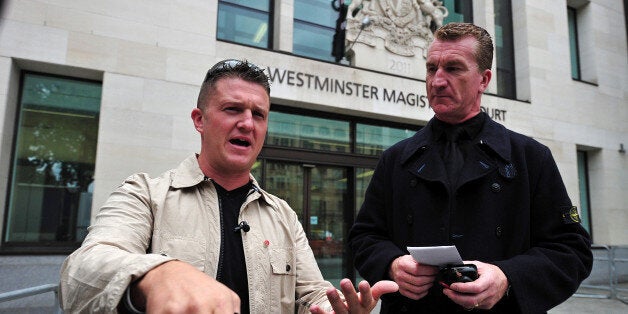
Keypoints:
pixel 50 193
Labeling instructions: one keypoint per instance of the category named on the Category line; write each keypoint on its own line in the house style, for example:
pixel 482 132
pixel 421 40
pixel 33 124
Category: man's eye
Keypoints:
pixel 259 114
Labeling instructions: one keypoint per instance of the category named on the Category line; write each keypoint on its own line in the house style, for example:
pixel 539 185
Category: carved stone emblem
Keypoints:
pixel 405 26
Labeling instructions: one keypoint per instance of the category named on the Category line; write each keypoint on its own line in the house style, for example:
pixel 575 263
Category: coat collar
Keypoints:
pixel 491 150
pixel 493 135
pixel 189 174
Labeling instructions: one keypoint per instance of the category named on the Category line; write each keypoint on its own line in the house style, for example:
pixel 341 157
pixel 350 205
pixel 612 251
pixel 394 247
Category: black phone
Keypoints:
pixel 457 273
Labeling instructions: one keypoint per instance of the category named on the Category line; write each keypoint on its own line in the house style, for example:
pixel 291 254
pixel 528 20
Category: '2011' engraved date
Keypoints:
pixel 401 67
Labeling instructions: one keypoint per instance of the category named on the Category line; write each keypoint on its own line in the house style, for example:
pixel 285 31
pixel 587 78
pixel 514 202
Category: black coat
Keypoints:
pixel 510 208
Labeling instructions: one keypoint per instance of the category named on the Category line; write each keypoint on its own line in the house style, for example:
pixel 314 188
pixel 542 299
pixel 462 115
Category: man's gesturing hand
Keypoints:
pixel 356 303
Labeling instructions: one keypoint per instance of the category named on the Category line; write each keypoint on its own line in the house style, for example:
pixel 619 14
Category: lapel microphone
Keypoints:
pixel 243 225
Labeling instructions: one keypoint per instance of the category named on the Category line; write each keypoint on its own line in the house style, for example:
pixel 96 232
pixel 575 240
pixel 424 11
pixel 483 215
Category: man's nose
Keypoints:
pixel 246 120
pixel 439 80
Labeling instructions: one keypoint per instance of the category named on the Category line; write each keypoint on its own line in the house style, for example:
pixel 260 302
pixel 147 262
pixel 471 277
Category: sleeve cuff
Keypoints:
pixel 127 302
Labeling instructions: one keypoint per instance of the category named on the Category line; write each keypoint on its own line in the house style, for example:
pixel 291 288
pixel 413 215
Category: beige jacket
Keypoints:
pixel 148 221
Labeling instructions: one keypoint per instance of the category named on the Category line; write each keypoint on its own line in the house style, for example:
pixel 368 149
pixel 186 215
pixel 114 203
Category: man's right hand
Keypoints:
pixel 414 279
pixel 178 287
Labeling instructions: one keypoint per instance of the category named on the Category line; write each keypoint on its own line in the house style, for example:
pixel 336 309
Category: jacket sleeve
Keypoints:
pixel 95 276
pixel 369 237
pixel 560 256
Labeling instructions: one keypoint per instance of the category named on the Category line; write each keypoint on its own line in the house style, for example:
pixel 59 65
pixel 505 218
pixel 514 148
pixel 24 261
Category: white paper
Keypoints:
pixel 436 255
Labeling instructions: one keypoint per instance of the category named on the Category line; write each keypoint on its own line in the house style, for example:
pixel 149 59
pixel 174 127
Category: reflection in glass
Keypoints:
pixel 313 41
pixel 314 28
pixel 286 181
pixel 53 165
pixel 328 196
pixel 289 130
pixel 245 22
pixel 459 11
pixel 362 179
pixel 373 140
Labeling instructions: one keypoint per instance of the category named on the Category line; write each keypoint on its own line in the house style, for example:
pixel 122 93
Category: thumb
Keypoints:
pixel 383 287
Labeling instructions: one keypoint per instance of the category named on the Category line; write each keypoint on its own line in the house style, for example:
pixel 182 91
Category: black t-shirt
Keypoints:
pixel 231 263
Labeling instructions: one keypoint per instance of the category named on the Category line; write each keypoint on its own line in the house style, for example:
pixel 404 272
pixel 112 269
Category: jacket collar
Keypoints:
pixel 493 135
pixel 189 174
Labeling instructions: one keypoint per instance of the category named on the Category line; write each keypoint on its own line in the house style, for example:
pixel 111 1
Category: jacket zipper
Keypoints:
pixel 222 241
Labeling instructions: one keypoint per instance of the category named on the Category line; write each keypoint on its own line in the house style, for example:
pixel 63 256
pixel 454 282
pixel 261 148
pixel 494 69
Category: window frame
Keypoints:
pixel 574 44
pixel 506 75
pixel 271 24
pixel 583 161
pixel 332 29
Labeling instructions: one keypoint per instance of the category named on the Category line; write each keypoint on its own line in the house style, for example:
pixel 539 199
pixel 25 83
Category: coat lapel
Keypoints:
pixel 490 151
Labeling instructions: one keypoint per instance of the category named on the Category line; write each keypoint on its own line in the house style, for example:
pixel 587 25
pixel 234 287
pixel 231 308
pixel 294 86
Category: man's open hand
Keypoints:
pixel 362 302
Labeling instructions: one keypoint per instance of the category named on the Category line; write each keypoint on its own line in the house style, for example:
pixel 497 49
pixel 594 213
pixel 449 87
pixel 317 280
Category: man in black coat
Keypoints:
pixel 467 181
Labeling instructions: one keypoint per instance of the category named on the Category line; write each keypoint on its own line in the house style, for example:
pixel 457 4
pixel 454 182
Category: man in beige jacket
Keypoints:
pixel 204 237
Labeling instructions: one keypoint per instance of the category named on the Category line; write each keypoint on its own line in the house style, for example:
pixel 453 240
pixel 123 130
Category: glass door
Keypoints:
pixel 326 226
pixel 318 194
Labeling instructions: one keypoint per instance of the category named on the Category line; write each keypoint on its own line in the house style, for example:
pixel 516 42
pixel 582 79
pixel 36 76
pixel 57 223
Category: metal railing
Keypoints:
pixel 23 293
pixel 605 281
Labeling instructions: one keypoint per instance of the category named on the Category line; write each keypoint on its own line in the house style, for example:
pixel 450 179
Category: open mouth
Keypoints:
pixel 240 142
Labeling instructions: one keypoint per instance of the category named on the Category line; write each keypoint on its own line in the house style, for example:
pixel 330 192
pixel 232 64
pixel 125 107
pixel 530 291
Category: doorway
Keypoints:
pixel 319 194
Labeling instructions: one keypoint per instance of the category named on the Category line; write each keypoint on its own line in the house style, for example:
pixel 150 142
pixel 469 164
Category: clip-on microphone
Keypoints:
pixel 243 225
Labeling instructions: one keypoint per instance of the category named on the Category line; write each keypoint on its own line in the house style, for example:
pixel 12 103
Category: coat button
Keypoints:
pixel 496 187
pixel 409 219
pixel 413 182
pixel 498 232
pixel 287 267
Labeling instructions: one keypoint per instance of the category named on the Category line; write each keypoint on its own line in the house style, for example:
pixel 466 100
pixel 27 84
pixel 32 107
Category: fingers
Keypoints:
pixel 414 287
pixel 466 301
pixel 383 287
pixel 177 287
pixel 362 302
pixel 482 293
pixel 351 296
pixel 366 294
pixel 315 309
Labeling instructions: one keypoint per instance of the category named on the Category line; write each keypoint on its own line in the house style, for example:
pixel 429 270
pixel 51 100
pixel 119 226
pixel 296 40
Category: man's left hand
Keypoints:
pixel 362 302
pixel 484 292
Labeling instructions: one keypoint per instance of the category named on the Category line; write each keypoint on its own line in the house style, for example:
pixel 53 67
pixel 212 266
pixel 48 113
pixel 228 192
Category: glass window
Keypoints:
pixel 314 28
pixel 299 131
pixel 573 43
pixel 373 140
pixel 246 22
pixel 50 192
pixel 504 49
pixel 286 181
pixel 459 11
pixel 583 184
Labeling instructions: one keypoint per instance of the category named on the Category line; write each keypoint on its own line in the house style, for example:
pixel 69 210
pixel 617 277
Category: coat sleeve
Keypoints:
pixel 95 276
pixel 369 237
pixel 560 256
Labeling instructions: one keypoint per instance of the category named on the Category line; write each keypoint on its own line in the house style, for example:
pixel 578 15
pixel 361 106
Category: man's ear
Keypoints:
pixel 197 118
pixel 486 78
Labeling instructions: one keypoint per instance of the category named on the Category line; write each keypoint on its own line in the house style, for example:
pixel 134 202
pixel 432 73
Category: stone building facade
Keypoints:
pixel 93 91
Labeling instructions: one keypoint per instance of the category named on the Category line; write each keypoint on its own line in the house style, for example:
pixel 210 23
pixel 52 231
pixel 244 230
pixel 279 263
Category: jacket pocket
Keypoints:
pixel 282 261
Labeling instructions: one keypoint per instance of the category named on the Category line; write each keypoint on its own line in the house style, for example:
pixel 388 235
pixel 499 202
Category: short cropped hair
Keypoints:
pixel 484 49
pixel 231 68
